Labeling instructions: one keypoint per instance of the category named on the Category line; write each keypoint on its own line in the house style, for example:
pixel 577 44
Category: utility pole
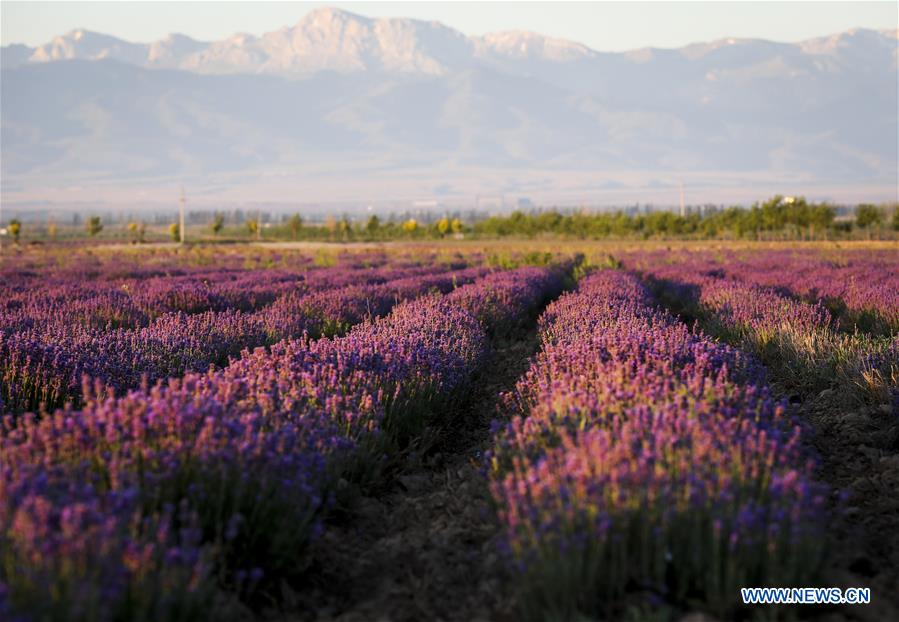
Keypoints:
pixel 181 226
pixel 683 207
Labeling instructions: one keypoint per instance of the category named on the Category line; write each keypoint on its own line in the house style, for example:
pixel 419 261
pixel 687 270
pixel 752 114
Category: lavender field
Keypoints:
pixel 447 431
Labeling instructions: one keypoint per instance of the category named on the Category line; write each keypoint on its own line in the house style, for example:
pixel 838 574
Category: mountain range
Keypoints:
pixel 344 107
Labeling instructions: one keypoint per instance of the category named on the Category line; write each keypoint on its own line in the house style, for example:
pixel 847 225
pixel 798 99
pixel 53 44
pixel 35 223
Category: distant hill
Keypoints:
pixel 366 99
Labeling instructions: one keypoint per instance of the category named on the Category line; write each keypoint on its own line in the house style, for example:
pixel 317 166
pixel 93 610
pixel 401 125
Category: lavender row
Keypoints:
pixel 47 300
pixel 64 266
pixel 143 506
pixel 331 312
pixel 646 463
pixel 799 341
pixel 46 365
pixel 860 287
pixel 280 383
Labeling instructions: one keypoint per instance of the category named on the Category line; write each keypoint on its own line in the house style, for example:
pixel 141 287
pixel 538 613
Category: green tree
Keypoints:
pixel 456 226
pixel 94 225
pixel 522 224
pixel 821 217
pixel 549 221
pixel 296 225
pixel 133 229
pixel 867 215
pixel 373 225
pixel 343 226
pixel 15 229
pixel 771 214
pixel 175 232
pixel 252 226
pixel 410 226
pixel 218 223
pixel 896 218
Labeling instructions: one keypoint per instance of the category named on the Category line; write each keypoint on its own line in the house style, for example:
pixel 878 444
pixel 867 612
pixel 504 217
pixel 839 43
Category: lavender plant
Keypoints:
pixel 241 464
pixel 645 460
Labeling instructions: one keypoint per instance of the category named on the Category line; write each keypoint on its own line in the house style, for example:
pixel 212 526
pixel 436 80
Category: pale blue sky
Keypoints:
pixel 609 26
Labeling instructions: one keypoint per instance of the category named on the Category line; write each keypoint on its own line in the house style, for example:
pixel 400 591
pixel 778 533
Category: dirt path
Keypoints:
pixel 859 453
pixel 426 549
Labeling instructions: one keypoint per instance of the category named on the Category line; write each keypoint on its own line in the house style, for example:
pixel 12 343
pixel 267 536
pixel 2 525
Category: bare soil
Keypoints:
pixel 858 449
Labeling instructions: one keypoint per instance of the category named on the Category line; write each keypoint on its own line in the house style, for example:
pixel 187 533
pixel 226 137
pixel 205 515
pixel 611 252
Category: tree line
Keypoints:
pixel 788 217
pixel 781 216
pixel 778 217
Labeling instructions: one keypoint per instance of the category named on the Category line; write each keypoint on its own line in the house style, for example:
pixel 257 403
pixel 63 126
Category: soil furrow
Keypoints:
pixel 426 549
